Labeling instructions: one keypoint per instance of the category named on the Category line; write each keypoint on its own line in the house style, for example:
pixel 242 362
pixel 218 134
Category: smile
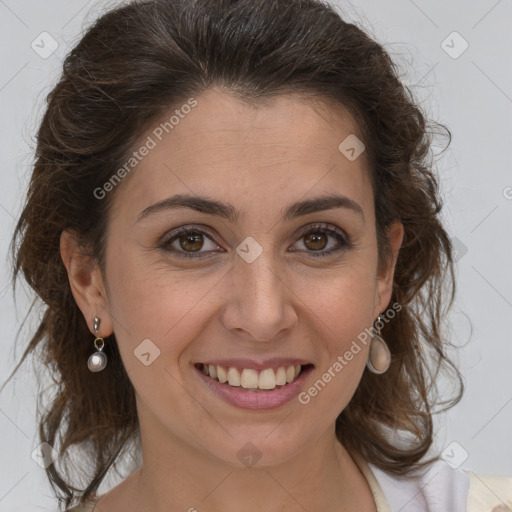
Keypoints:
pixel 246 383
pixel 265 379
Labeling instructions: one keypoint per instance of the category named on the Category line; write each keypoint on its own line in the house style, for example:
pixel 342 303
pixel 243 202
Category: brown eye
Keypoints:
pixel 191 242
pixel 316 241
pixel 185 242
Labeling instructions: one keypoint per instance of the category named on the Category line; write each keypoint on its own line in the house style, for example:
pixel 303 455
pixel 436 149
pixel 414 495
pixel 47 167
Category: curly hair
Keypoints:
pixel 141 59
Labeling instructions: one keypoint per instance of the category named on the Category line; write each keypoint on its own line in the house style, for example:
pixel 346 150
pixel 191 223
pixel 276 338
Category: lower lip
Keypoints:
pixel 246 399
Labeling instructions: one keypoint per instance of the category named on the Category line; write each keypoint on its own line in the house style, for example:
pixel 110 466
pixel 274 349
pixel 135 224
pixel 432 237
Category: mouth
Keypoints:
pixel 254 380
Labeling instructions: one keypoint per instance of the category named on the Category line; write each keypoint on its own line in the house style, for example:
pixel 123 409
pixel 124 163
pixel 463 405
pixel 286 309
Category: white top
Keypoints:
pixel 439 489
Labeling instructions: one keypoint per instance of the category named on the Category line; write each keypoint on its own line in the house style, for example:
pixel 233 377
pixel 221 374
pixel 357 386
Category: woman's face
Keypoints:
pixel 266 277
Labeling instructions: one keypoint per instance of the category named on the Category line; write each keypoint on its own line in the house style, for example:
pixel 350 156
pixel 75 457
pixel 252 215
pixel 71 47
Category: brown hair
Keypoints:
pixel 135 63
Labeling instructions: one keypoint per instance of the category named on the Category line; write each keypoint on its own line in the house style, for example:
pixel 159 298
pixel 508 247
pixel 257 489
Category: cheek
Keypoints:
pixel 341 306
pixel 342 300
pixel 342 319
pixel 167 307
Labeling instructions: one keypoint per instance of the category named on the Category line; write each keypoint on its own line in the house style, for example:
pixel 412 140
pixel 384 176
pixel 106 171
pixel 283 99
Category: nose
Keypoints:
pixel 259 304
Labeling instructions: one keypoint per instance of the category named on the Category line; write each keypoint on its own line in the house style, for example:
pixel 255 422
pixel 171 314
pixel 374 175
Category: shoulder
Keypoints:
pixel 489 493
pixel 441 487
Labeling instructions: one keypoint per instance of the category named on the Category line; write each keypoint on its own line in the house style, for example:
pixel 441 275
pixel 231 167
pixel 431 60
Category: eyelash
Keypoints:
pixel 317 228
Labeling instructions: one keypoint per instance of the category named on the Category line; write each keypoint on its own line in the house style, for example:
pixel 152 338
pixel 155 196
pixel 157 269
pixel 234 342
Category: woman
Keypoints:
pixel 233 222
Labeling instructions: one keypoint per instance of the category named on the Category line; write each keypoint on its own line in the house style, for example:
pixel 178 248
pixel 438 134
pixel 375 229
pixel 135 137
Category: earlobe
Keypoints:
pixel 395 234
pixel 86 282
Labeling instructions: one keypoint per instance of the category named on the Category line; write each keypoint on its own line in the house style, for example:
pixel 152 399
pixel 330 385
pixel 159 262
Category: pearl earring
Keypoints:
pixel 98 360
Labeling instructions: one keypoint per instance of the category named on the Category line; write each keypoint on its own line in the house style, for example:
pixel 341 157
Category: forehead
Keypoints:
pixel 228 147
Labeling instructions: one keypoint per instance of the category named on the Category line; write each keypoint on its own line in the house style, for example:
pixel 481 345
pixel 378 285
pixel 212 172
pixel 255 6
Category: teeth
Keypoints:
pixel 221 374
pixel 281 377
pixel 250 379
pixel 233 377
pixel 267 379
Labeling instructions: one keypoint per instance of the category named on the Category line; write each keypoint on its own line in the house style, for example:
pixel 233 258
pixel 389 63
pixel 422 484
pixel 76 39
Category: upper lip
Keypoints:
pixel 275 362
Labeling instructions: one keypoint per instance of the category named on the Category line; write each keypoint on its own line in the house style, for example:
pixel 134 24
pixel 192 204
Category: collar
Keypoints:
pixel 378 494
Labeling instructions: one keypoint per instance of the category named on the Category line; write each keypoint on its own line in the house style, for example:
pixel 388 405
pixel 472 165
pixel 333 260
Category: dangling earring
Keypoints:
pixel 379 357
pixel 98 360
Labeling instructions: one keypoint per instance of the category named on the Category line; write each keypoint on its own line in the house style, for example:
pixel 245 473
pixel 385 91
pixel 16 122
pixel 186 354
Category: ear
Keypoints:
pixel 86 283
pixel 386 270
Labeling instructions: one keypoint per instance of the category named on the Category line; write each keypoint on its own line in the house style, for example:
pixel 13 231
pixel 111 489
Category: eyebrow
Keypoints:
pixel 229 212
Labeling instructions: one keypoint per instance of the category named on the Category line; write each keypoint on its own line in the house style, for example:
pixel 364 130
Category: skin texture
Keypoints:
pixel 260 158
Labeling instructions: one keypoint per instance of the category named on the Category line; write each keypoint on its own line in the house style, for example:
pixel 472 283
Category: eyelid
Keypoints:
pixel 166 239
pixel 322 226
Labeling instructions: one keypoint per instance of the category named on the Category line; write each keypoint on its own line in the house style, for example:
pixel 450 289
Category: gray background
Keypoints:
pixel 471 92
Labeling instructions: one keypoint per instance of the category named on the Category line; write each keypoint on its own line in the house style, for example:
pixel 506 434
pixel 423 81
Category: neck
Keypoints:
pixel 176 476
